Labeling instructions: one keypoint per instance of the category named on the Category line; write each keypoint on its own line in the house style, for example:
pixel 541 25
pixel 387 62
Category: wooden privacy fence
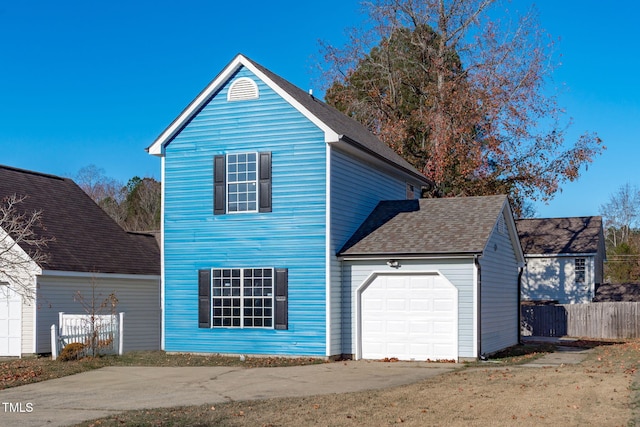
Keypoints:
pixel 105 332
pixel 593 320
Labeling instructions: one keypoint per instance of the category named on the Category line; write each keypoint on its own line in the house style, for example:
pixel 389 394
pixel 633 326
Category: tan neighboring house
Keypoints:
pixel 87 252
pixel 564 258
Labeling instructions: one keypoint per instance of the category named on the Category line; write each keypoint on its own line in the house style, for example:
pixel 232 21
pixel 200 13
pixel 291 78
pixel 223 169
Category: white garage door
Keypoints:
pixel 409 317
pixel 10 321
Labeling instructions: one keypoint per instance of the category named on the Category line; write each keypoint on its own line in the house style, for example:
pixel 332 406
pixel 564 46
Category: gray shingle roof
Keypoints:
pixel 573 235
pixel 459 225
pixel 86 239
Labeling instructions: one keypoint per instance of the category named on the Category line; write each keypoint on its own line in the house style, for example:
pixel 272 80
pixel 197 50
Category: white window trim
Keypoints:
pixel 583 270
pixel 242 298
pixel 256 181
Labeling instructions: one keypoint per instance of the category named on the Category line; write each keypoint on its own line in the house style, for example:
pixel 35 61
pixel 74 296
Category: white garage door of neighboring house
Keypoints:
pixel 10 321
pixel 409 317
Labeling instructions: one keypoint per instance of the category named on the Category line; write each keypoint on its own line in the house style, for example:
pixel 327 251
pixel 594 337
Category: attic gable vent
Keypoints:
pixel 242 89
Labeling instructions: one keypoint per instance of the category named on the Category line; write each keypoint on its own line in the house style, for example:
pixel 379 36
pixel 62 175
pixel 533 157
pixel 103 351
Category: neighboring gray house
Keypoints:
pixel 564 257
pixel 87 251
pixel 432 277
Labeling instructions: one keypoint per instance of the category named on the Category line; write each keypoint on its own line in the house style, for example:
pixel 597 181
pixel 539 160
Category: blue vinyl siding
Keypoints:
pixel 291 236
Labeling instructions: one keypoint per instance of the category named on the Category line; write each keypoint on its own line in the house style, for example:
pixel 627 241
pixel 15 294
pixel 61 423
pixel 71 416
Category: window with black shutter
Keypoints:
pixel 244 298
pixel 204 298
pixel 242 183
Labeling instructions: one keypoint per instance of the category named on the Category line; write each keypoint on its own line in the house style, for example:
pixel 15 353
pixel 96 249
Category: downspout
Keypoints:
pixel 519 332
pixel 476 260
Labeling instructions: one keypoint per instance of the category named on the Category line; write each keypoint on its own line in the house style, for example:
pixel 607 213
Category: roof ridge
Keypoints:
pixel 559 217
pixel 31 172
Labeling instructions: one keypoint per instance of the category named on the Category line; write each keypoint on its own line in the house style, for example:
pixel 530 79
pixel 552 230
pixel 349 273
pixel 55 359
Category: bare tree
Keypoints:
pixel 621 214
pixel 97 185
pixel 100 315
pixel 22 245
pixel 461 96
pixel 105 191
pixel 135 206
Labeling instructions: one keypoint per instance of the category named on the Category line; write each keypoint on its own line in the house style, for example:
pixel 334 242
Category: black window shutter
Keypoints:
pixel 204 298
pixel 219 184
pixel 282 305
pixel 265 182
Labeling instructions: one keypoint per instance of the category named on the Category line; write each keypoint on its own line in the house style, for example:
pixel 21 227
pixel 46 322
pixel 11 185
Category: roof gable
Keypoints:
pixel 337 127
pixel 552 236
pixel 82 237
pixel 458 225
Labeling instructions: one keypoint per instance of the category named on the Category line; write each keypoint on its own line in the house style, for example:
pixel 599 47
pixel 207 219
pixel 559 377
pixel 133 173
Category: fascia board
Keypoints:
pixel 329 134
pixel 158 146
pixel 8 243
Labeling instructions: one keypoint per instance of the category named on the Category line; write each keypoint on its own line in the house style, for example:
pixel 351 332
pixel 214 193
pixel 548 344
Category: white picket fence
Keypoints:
pixel 107 330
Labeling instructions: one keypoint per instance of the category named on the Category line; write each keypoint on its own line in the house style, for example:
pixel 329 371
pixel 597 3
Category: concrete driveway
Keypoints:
pixel 106 391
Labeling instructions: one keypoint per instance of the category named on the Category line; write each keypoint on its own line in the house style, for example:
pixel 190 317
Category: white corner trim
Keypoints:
pixel 476 297
pixel 34 317
pixel 162 273
pixel 329 256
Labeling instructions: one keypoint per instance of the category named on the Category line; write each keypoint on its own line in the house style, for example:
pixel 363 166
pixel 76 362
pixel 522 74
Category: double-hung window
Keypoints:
pixel 580 270
pixel 242 183
pixel 243 298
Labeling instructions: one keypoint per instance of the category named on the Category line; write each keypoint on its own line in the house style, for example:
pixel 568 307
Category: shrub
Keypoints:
pixel 72 351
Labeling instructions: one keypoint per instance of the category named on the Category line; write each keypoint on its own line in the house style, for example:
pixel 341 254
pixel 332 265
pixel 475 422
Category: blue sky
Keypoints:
pixel 96 82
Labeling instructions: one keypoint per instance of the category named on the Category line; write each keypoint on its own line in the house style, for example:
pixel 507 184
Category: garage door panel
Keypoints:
pixel 398 327
pixel 396 283
pixel 421 326
pixel 397 304
pixel 376 304
pixel 421 305
pixel 421 348
pixel 409 317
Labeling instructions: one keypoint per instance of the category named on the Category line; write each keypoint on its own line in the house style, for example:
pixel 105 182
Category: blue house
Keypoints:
pixel 263 187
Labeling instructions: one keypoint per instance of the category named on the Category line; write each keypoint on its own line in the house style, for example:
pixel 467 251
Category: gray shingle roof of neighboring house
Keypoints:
pixel 458 225
pixel 575 235
pixel 84 238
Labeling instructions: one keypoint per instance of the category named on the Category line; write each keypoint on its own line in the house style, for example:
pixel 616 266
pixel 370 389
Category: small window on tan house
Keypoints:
pixel 580 270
